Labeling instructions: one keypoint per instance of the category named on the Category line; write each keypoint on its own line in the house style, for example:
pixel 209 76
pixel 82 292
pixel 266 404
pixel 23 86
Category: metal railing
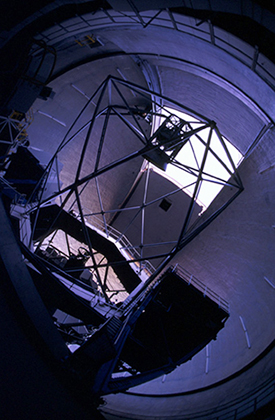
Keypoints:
pixel 240 407
pixel 17 197
pixel 95 299
pixel 121 241
pixel 132 302
pixel 237 409
pixel 190 279
pixel 249 56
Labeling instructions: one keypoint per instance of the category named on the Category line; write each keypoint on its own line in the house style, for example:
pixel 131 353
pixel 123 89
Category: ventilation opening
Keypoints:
pixel 165 204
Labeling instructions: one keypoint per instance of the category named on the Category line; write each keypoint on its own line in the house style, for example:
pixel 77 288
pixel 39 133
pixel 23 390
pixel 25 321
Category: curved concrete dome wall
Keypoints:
pixel 53 119
pixel 229 258
pixel 234 255
pixel 207 73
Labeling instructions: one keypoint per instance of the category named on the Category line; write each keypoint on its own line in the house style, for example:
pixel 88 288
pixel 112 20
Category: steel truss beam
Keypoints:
pixel 170 135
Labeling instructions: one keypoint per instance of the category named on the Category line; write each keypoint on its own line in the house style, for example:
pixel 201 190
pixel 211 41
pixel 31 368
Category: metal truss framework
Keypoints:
pixel 168 136
pixel 13 132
